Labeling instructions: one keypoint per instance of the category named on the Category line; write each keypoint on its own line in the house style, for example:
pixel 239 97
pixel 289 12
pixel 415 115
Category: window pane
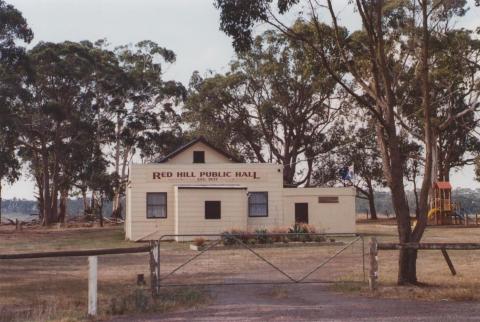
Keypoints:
pixel 156 198
pixel 258 204
pixel 157 205
pixel 258 210
pixel 258 197
pixel 156 212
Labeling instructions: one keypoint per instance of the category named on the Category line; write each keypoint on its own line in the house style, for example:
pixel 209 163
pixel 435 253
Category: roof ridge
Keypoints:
pixel 203 140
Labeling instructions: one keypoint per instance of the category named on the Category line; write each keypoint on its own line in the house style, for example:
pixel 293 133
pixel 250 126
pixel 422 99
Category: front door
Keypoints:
pixel 301 212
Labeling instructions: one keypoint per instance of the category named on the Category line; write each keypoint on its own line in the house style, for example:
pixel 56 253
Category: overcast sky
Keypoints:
pixel 188 27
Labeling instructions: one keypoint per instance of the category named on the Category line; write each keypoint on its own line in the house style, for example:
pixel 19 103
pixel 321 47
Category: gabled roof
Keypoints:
pixel 444 185
pixel 200 139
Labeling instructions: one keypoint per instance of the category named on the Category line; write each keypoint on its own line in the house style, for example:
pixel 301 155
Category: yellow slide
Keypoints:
pixel 432 212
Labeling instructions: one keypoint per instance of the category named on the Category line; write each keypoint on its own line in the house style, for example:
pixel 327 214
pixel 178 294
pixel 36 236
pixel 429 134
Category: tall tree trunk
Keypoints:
pixel 407 262
pixel 371 201
pixel 436 164
pixel 92 204
pixel 47 211
pixel 100 211
pixel 85 201
pixel 393 172
pixel 0 202
pixel 446 173
pixel 410 256
pixel 415 194
pixel 116 196
pixel 289 169
pixel 41 214
pixel 63 206
pixel 54 206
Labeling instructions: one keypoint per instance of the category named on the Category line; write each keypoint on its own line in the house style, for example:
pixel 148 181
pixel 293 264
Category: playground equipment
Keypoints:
pixel 442 210
pixel 441 207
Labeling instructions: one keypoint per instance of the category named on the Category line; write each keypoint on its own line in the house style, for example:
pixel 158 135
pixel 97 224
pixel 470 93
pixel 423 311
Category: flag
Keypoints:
pixel 347 173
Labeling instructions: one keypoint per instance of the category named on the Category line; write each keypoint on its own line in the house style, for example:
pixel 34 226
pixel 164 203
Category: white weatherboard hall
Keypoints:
pixel 200 189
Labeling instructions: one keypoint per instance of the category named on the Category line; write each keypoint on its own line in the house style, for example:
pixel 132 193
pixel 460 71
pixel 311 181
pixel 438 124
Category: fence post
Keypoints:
pixel 92 285
pixel 155 267
pixel 373 274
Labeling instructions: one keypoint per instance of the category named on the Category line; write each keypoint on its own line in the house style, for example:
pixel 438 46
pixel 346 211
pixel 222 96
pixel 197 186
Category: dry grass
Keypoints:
pixel 431 266
pixel 55 289
pixel 277 292
pixel 39 239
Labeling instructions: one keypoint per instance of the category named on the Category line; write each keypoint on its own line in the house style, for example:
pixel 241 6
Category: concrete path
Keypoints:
pixel 312 302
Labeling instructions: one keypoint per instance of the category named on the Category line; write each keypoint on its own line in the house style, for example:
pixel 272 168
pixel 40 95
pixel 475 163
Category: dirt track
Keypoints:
pixel 313 302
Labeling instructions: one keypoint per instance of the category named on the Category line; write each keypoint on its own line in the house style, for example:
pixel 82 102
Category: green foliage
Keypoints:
pixel 298 232
pixel 231 237
pixel 261 236
pixel 75 102
pixel 301 232
pixel 273 106
pixel 13 27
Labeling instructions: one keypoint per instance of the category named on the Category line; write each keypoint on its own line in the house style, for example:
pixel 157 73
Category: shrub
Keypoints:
pixel 199 241
pixel 319 238
pixel 279 238
pixel 262 236
pixel 301 232
pixel 230 237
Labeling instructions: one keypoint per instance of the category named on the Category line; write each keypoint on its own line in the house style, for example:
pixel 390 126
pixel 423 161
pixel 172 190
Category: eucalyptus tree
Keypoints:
pixel 9 163
pixel 55 117
pixel 395 40
pixel 455 91
pixel 276 104
pixel 143 107
pixel 13 28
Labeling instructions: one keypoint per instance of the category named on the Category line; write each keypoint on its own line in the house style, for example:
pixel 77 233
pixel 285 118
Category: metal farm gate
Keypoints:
pixel 260 258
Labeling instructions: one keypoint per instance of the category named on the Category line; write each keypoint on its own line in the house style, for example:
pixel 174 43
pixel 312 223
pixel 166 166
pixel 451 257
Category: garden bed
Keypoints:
pixel 279 244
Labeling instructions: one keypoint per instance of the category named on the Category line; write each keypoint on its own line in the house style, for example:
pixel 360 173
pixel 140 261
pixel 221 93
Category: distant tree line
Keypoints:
pixel 467 199
pixel 28 209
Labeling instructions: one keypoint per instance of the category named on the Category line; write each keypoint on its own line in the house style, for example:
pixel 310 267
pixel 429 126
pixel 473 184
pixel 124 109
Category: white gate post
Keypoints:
pixel 155 267
pixel 92 285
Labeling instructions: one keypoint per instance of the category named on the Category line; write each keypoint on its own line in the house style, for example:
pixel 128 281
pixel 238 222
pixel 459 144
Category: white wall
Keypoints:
pixel 256 177
pixel 185 207
pixel 325 217
pixel 211 155
pixel 191 210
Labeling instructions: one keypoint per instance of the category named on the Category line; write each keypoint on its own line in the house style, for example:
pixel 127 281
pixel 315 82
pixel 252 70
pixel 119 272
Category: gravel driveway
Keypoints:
pixel 312 302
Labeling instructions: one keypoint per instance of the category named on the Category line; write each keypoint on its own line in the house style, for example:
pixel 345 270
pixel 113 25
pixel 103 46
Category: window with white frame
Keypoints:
pixel 258 204
pixel 156 205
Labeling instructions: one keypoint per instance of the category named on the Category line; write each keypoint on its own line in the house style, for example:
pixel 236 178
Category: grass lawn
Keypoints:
pixel 431 266
pixel 55 289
